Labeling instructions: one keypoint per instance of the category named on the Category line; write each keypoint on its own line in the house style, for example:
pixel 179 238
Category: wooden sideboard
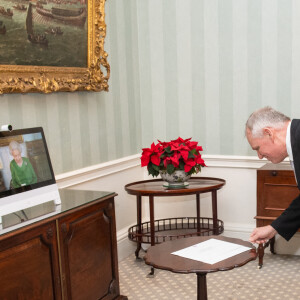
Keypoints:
pixel 68 254
pixel 276 189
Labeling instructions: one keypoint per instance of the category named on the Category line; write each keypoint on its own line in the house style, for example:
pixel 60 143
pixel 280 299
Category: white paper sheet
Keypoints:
pixel 211 251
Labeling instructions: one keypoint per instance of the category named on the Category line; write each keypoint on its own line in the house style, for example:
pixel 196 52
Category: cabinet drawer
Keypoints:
pixel 276 189
pixel 276 198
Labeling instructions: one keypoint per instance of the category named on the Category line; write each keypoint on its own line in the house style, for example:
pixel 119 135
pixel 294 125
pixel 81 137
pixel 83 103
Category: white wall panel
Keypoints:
pixel 269 52
pixel 212 82
pixel 240 74
pixel 184 68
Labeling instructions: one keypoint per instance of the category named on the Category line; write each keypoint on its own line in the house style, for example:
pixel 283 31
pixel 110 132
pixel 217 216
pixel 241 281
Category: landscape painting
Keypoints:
pixel 52 45
pixel 43 33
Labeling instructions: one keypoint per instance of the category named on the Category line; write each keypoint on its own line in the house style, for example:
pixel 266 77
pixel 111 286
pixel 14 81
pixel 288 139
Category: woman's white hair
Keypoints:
pixel 13 145
pixel 265 117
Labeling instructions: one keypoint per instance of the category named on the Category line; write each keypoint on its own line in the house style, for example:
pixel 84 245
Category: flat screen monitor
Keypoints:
pixel 26 174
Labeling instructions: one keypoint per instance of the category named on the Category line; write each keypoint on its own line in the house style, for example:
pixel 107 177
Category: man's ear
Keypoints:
pixel 269 132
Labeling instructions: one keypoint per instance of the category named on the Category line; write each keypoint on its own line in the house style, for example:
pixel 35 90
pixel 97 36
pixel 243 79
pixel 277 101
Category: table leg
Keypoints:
pixel 215 211
pixel 272 245
pixel 198 213
pixel 261 253
pixel 152 229
pixel 261 250
pixel 201 286
pixel 139 222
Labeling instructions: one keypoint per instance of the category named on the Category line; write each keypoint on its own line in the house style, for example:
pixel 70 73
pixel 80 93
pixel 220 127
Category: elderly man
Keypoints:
pixel 274 136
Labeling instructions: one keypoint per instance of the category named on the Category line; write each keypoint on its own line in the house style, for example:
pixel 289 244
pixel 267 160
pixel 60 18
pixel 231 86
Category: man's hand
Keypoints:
pixel 261 235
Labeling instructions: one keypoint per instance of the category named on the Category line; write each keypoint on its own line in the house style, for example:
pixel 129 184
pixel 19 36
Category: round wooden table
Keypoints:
pixel 160 257
pixel 157 231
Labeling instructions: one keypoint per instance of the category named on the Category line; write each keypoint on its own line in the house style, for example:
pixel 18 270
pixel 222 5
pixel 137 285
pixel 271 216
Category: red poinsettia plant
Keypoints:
pixel 175 155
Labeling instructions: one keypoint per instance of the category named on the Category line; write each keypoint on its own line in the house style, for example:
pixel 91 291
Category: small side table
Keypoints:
pixel 160 257
pixel 157 231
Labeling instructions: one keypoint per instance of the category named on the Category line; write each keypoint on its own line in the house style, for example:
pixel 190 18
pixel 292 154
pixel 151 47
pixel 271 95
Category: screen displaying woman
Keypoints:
pixel 22 172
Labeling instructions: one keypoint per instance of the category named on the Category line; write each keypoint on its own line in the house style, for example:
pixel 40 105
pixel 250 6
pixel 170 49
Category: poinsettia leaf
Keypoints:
pixel 181 165
pixel 168 149
pixel 170 168
pixel 191 154
pixel 155 167
pixel 194 151
pixel 150 168
pixel 192 171
pixel 152 171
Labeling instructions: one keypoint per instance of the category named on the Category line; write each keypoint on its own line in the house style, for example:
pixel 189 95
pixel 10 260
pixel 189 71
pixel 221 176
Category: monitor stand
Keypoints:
pixel 28 199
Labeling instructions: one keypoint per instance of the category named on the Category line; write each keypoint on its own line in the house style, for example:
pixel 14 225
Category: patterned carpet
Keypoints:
pixel 278 279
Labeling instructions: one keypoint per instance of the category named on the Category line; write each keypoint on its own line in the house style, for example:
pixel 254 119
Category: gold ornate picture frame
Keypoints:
pixel 28 79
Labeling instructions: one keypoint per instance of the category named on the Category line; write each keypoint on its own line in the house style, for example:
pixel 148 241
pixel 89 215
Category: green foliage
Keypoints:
pixel 192 153
pixel 170 169
pixel 152 171
pixel 181 165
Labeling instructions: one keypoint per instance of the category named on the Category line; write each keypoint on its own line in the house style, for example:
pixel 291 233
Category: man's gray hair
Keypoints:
pixel 265 117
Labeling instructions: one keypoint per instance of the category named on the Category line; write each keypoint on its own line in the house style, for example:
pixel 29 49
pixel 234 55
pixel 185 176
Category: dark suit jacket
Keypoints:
pixel 289 221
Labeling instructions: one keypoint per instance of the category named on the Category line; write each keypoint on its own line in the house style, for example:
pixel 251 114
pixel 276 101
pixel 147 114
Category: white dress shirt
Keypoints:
pixel 289 147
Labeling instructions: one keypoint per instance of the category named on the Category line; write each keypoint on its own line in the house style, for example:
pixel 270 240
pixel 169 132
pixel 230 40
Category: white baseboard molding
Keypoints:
pixel 238 231
pixel 125 246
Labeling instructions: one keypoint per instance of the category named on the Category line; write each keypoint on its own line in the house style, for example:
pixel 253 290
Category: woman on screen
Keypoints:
pixel 22 172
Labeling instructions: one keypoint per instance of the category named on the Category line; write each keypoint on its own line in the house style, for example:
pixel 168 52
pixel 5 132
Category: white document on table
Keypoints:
pixel 211 251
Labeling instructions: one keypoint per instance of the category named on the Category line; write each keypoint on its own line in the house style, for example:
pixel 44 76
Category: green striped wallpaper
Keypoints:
pixel 190 68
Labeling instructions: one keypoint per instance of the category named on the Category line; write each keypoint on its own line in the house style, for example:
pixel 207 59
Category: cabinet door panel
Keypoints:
pixel 89 260
pixel 29 265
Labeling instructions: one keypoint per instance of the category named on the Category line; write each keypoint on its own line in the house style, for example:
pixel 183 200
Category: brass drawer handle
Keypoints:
pixel 274 173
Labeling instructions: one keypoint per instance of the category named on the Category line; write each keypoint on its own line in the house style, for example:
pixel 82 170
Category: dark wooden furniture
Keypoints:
pixel 159 256
pixel 276 189
pixel 157 231
pixel 70 253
